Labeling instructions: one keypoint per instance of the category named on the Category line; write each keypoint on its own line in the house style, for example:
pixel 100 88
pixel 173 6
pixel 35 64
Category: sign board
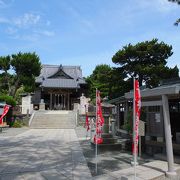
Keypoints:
pixel 157 117
pixel 114 110
pixel 141 128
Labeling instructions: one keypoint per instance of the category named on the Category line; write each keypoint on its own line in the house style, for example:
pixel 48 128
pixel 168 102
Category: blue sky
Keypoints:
pixel 85 32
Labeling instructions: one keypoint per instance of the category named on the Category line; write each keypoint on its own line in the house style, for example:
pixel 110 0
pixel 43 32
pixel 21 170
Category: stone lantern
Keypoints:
pixel 107 109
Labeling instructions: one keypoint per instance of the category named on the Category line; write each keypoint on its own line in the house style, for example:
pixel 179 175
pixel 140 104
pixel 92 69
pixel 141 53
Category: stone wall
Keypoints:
pixel 27 106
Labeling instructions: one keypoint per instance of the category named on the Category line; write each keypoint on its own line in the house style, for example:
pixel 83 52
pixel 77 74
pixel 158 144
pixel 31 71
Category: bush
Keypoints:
pixel 8 99
pixel 17 124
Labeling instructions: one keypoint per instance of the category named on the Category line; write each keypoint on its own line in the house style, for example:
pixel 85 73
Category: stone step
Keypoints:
pixel 54 119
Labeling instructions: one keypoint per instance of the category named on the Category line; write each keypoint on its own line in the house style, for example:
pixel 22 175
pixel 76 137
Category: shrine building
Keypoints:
pixel 59 87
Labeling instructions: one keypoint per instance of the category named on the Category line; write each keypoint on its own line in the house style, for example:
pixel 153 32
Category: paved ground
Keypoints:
pixel 8 132
pixel 53 154
pixel 108 161
pixel 41 154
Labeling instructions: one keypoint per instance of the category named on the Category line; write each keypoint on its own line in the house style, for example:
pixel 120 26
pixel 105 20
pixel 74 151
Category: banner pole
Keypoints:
pixel 96 154
pixel 134 131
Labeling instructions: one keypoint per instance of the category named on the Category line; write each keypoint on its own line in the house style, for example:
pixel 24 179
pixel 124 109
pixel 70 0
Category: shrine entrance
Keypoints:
pixel 59 101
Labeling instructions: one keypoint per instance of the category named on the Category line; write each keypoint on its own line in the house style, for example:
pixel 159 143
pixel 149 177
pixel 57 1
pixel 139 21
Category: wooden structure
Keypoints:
pixel 162 111
pixel 59 87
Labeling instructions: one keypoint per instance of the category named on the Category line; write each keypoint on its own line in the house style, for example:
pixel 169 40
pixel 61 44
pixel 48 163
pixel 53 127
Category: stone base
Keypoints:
pixel 132 163
pixel 172 175
pixel 130 178
pixel 42 106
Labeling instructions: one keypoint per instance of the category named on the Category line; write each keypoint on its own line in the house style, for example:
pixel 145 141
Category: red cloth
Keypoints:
pixel 5 111
pixel 137 100
pixel 98 140
pixel 99 120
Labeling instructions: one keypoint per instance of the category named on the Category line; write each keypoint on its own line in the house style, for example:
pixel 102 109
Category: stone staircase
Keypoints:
pixel 54 120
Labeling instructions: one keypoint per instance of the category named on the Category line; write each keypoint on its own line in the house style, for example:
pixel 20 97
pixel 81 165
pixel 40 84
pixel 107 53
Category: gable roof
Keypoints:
pixel 60 76
pixel 61 83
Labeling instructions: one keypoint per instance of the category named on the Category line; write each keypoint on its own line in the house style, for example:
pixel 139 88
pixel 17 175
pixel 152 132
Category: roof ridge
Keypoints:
pixel 54 65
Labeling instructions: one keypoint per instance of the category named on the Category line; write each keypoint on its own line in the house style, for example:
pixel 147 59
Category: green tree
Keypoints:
pixel 5 62
pixel 26 66
pixel 100 79
pixel 147 60
pixel 110 82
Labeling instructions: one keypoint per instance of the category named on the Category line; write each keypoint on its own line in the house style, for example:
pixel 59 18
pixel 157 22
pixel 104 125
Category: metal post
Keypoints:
pixel 96 132
pixel 139 146
pixel 134 132
pixel 167 128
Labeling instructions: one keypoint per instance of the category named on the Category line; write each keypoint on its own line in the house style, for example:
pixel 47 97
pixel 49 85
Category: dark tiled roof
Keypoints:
pixel 73 72
pixel 49 70
pixel 60 83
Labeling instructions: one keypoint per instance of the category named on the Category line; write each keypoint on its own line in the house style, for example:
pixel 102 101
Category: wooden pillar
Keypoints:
pixel 50 101
pixel 58 99
pixel 64 101
pixel 68 99
pixel 54 100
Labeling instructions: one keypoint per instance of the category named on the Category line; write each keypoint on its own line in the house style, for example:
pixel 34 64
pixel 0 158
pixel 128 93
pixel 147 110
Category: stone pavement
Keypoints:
pixel 114 165
pixel 45 154
pixel 108 161
pixel 53 154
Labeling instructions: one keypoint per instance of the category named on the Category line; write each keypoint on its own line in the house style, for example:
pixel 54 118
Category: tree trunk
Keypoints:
pixel 14 89
pixel 7 81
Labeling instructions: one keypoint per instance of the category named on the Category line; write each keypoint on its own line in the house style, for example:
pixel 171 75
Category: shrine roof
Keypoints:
pixel 60 83
pixel 60 76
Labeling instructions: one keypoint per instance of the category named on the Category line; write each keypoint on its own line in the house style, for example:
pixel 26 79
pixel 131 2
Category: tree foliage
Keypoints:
pixel 8 99
pixel 108 80
pixel 100 79
pixel 26 66
pixel 147 60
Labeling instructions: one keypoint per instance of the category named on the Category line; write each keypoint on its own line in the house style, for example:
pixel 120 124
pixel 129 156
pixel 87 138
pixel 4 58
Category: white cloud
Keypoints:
pixel 4 20
pixel 48 33
pixel 26 37
pixel 11 31
pixel 162 6
pixel 5 4
pixel 26 20
pixel 48 23
pixel 165 6
pixel 86 23
pixel 2 3
pixel 45 33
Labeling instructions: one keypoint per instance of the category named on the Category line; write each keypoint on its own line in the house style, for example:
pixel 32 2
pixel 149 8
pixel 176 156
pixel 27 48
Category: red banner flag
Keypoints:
pixel 99 119
pixel 137 106
pixel 5 111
